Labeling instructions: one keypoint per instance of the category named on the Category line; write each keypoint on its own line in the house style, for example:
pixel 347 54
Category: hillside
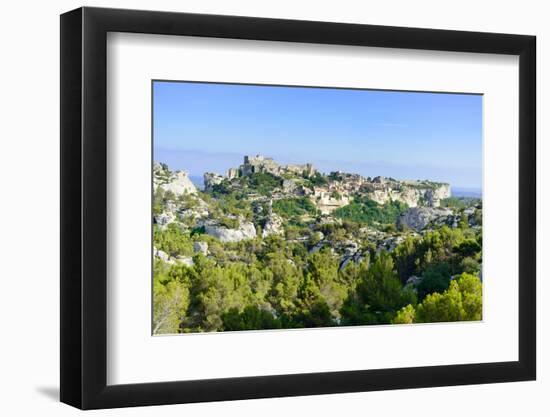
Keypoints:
pixel 280 230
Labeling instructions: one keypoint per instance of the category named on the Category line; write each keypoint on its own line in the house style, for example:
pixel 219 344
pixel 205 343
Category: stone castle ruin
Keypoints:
pixel 262 164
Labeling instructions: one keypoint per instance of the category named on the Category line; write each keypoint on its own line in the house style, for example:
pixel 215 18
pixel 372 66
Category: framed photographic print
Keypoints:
pixel 258 207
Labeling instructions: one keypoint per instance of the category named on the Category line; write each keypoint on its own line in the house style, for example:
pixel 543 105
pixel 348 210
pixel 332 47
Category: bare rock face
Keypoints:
pixel 261 163
pixel 197 210
pixel 180 184
pixel 349 248
pixel 412 193
pixel 289 186
pixel 201 247
pixel 390 243
pixel 187 260
pixel 163 256
pixel 164 219
pixel 326 202
pixel 246 230
pixel 273 226
pixel 177 182
pixel 211 179
pixel 434 195
pixel 419 217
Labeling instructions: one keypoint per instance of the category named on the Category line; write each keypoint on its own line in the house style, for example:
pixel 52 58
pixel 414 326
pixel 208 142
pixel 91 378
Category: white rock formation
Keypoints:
pixel 163 256
pixel 164 219
pixel 179 183
pixel 187 260
pixel 412 194
pixel 326 202
pixel 419 217
pixel 211 179
pixel 246 230
pixel 198 210
pixel 201 247
pixel 273 226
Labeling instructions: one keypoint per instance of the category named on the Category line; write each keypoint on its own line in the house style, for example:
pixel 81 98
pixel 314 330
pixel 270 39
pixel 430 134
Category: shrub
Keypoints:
pixel 364 210
pixel 436 278
pixel 290 207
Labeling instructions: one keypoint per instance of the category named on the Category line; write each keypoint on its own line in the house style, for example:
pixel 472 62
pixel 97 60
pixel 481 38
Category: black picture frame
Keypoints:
pixel 84 207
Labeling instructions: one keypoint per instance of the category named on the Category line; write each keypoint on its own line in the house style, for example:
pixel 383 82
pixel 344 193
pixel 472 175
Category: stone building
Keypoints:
pixel 259 163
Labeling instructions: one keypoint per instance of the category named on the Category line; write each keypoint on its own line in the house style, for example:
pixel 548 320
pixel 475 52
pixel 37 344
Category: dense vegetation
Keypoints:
pixel 353 266
pixel 290 207
pixel 366 211
pixel 279 284
pixel 459 202
pixel 260 183
pixel 460 302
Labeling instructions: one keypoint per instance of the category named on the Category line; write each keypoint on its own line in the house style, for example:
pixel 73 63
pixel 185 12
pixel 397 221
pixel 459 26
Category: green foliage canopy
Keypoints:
pixel 366 211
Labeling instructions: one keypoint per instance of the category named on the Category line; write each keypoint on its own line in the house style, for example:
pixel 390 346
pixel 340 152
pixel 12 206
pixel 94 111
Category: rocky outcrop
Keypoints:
pixel 246 230
pixel 356 258
pixel 164 257
pixel 259 163
pixel 273 225
pixel 433 196
pixel 411 193
pixel 389 243
pixel 419 218
pixel 176 182
pixel 164 219
pixel 179 184
pixel 196 209
pixel 289 186
pixel 335 190
pixel 349 247
pixel 187 260
pixel 201 247
pixel 211 179
pixel 327 202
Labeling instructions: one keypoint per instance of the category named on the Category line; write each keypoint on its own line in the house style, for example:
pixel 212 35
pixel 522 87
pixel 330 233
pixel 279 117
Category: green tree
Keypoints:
pixel 290 207
pixel 405 316
pixel 406 255
pixel 173 240
pixel 366 211
pixel 323 269
pixel 461 302
pixel 379 294
pixel 468 247
pixel 170 301
pixel 436 278
pixel 285 278
pixel 214 290
pixel 251 318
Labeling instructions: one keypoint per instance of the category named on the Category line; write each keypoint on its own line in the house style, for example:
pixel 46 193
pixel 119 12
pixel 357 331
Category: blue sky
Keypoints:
pixel 209 127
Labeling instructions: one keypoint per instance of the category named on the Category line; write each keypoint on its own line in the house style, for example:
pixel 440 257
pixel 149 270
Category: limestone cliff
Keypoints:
pixel 244 231
pixel 176 182
pixel 413 193
pixel 330 192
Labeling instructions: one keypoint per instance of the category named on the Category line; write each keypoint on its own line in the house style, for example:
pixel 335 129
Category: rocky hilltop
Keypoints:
pixel 261 198
pixel 335 190
pixel 269 245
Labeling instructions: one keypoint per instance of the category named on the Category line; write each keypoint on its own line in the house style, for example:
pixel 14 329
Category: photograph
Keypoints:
pixel 285 204
pixel 292 207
